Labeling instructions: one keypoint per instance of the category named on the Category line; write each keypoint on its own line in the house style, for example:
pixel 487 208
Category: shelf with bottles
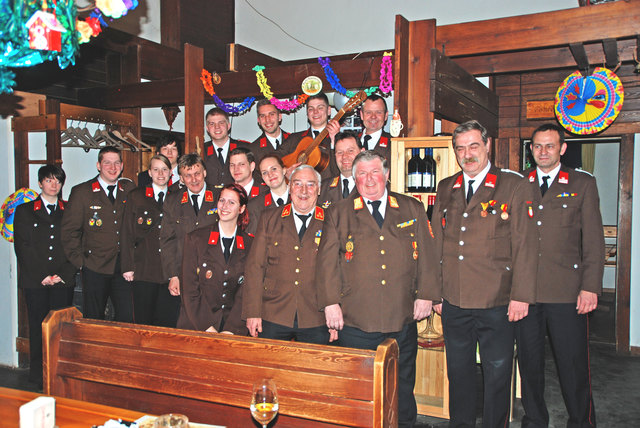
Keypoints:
pixel 402 153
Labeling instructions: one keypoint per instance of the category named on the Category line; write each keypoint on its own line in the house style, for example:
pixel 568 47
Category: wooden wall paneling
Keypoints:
pixel 131 73
pixel 193 99
pixel 170 24
pixel 548 29
pixel 623 268
pixel 209 25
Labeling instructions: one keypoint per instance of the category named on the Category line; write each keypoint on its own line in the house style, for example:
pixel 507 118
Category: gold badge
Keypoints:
pixel 483 213
pixel 415 255
pixel 504 215
pixel 209 274
pixel 98 222
pixel 140 220
pixel 149 221
pixel 92 222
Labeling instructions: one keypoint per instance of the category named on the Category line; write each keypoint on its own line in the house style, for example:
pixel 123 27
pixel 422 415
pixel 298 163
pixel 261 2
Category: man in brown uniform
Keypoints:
pixel 569 279
pixel 216 151
pixel 279 300
pixel 184 212
pixel 341 186
pixel 374 115
pixel 485 237
pixel 272 137
pixel 372 276
pixel 91 237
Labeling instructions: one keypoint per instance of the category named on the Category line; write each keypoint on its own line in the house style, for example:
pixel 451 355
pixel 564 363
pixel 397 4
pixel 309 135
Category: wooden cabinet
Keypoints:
pixel 432 384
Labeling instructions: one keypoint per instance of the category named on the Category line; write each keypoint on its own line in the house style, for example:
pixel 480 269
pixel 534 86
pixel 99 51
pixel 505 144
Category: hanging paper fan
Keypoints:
pixel 587 105
pixel 8 209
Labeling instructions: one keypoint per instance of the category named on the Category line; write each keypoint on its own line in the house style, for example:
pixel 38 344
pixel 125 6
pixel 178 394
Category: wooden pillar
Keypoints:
pixel 623 268
pixel 413 43
pixel 170 24
pixel 54 141
pixel 130 72
pixel 193 99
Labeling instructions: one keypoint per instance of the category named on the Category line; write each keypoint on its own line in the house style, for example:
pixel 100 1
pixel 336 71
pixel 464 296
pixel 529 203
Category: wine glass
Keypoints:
pixel 264 401
pixel 171 420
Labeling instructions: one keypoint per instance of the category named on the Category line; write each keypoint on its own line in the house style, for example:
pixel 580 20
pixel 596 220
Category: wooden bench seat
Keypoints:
pixel 209 377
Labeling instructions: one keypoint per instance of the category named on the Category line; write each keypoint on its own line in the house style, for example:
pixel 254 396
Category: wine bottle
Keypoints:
pixel 427 178
pixel 434 167
pixel 414 177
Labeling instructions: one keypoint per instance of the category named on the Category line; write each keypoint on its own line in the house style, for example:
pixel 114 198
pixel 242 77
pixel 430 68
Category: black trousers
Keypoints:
pixel 319 335
pixel 464 330
pixel 569 337
pixel 154 305
pixel 407 339
pixel 98 287
pixel 39 302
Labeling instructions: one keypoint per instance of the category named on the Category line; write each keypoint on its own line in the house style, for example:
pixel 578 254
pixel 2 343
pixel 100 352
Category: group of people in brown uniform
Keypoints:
pixel 221 244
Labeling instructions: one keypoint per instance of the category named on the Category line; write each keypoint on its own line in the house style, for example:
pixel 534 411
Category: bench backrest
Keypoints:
pixel 210 376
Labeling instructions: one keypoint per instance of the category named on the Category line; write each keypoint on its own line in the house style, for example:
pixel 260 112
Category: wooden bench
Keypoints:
pixel 209 377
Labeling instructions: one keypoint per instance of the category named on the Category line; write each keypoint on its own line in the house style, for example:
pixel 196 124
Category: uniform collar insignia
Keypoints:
pixel 383 141
pixel 532 176
pixel 210 150
pixel 37 205
pixel 490 180
pixel 208 196
pixel 286 211
pixel 335 182
pixel 268 200
pixel 213 237
pixel 458 182
pixel 305 133
pixel 239 242
pixel 358 203
pixel 284 134
pixel 232 146
pixel 60 204
pixel 149 192
pixel 563 177
pixel 185 197
pixel 319 214
pixel 255 191
pixel 263 142
pixel 95 186
pixel 120 187
pixel 393 202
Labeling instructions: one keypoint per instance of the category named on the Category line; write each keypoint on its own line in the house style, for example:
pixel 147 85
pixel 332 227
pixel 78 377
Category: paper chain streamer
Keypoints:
pixel 386 86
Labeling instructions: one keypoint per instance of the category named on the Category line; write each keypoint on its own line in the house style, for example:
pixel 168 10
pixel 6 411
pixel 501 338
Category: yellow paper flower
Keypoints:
pixel 112 8
pixel 84 31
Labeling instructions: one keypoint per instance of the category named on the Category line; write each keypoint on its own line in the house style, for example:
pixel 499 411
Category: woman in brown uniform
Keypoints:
pixel 140 249
pixel 213 268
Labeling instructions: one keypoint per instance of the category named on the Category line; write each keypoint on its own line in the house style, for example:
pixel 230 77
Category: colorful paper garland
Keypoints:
pixel 282 105
pixel 207 81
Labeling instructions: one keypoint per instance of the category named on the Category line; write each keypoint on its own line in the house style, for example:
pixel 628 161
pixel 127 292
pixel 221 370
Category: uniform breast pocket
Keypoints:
pixel 273 254
pixel 566 211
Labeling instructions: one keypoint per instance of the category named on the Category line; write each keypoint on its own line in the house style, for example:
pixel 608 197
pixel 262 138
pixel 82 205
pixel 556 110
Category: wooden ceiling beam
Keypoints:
pixel 242 58
pixel 579 55
pixel 610 48
pixel 548 29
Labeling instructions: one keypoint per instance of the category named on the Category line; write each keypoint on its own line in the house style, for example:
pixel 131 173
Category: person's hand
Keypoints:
pixel 254 325
pixel 226 332
pixel 174 286
pixel 128 276
pixel 333 335
pixel 517 310
pixel 587 302
pixel 333 315
pixel 48 280
pixel 333 127
pixel 421 309
pixel 56 279
pixel 438 308
pixel 211 329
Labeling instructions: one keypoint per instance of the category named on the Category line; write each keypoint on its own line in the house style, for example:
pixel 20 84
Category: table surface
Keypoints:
pixel 69 413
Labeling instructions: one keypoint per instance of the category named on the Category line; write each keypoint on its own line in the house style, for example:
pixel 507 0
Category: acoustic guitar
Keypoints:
pixel 309 150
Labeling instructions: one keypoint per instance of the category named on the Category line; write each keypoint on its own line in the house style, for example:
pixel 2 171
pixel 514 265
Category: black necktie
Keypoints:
pixel 470 190
pixel 196 208
pixel 227 248
pixel 220 158
pixel 375 205
pixel 279 202
pixel 303 228
pixel 315 134
pixel 161 198
pixel 110 195
pixel 365 144
pixel 52 209
pixel 345 188
pixel 545 185
pixel 277 144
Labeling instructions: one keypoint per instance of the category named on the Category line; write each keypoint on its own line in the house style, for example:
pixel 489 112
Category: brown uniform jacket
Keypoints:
pixel 141 227
pixel 291 143
pixel 486 260
pixel 256 206
pixel 280 270
pixel 38 245
pixel 374 273
pixel 569 225
pixel 331 191
pixel 91 225
pixel 383 145
pixel 178 219
pixel 211 287
pixel 219 175
pixel 262 146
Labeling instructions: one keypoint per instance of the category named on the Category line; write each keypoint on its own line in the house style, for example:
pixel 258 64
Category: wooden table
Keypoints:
pixel 69 413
